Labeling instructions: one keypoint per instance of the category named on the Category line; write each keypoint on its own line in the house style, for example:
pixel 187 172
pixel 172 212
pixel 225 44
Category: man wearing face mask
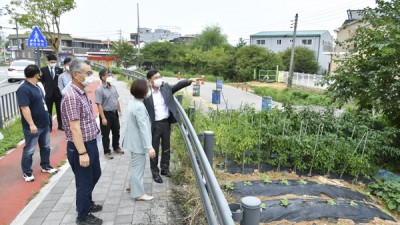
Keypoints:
pixel 50 75
pixel 64 79
pixel 163 111
pixel 81 132
pixel 109 109
pixel 35 123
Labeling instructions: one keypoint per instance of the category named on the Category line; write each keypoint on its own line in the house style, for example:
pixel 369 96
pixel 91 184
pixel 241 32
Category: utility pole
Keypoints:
pixel 290 80
pixel 120 35
pixel 138 31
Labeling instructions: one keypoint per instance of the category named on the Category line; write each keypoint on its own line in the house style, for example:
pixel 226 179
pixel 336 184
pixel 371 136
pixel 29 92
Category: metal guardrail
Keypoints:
pixel 129 73
pixel 9 109
pixel 210 191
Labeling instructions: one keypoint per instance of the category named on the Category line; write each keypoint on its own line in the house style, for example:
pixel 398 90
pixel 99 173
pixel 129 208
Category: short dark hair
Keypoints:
pixel 31 70
pixel 151 73
pixel 51 57
pixel 139 88
pixel 104 71
pixel 67 60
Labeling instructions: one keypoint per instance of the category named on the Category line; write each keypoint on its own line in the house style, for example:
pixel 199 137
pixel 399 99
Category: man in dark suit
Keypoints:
pixel 163 111
pixel 49 79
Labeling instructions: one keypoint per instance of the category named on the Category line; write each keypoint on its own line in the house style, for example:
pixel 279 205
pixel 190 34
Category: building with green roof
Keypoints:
pixel 320 41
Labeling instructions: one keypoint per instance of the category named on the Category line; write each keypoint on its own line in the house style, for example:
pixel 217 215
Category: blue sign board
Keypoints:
pixel 219 84
pixel 36 39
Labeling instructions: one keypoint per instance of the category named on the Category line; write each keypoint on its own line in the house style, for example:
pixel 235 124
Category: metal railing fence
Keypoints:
pixel 211 194
pixel 303 79
pixel 9 109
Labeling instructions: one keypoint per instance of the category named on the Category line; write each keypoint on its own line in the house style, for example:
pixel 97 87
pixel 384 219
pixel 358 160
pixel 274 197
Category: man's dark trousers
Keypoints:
pixel 161 129
pixel 85 177
pixel 49 104
pixel 112 118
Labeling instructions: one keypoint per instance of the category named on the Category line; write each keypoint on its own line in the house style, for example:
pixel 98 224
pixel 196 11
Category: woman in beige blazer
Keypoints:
pixel 137 138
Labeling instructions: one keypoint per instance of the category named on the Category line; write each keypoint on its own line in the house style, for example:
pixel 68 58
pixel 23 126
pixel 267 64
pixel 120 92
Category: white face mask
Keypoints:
pixel 88 81
pixel 158 82
pixel 110 80
pixel 67 68
pixel 52 65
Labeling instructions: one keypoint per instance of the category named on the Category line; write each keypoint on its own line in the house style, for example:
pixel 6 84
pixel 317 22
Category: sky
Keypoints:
pixel 103 19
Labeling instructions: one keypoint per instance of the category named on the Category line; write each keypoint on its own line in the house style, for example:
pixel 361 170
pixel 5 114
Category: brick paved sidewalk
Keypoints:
pixel 57 204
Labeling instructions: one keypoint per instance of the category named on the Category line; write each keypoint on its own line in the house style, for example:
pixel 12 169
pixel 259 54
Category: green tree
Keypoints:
pixel 209 38
pixel 253 57
pixel 370 73
pixel 241 43
pixel 46 14
pixel 304 60
pixel 158 54
pixel 219 62
pixel 195 60
pixel 125 54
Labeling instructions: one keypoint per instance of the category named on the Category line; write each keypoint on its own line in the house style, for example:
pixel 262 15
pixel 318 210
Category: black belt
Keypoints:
pixel 112 112
pixel 163 120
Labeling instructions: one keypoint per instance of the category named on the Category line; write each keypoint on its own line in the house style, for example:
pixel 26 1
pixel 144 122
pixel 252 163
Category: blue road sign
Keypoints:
pixel 36 39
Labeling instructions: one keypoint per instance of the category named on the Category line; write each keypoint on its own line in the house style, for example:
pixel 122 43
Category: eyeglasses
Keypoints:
pixel 157 77
pixel 88 73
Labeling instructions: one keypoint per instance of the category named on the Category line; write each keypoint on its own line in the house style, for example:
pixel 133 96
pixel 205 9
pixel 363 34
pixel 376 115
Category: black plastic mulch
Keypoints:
pixel 232 167
pixel 258 188
pixel 307 210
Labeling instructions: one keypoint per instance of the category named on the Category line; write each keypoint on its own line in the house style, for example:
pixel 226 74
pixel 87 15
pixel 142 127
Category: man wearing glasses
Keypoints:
pixel 163 111
pixel 81 132
pixel 109 109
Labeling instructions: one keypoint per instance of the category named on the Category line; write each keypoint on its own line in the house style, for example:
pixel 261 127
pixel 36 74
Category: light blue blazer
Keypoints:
pixel 137 137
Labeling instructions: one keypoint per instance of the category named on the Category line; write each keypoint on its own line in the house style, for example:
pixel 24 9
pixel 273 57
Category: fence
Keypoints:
pixel 8 108
pixel 211 193
pixel 303 79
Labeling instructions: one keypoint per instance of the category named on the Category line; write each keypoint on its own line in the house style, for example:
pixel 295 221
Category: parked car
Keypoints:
pixel 15 71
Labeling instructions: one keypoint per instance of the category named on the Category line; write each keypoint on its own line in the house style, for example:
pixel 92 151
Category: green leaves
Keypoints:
pixel 304 60
pixel 389 191
pixel 284 202
pixel 369 73
pixel 125 54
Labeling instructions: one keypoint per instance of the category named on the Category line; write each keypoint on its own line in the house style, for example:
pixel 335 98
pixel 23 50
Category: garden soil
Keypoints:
pixel 318 189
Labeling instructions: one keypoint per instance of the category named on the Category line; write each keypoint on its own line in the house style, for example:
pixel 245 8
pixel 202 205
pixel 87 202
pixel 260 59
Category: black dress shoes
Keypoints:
pixel 166 173
pixel 157 178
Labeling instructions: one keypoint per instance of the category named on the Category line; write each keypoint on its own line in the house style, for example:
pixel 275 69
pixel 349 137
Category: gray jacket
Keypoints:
pixel 137 136
pixel 167 92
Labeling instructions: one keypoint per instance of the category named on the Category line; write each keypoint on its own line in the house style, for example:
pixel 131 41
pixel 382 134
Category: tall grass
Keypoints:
pixel 12 136
pixel 295 96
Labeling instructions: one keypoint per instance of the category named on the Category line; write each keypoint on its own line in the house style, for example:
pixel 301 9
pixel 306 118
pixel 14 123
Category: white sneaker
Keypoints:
pixel 49 169
pixel 29 177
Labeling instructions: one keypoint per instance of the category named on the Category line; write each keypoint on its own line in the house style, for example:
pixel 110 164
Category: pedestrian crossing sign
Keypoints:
pixel 36 39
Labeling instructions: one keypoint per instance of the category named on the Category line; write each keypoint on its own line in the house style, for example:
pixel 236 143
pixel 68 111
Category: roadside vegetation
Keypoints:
pixel 12 136
pixel 351 147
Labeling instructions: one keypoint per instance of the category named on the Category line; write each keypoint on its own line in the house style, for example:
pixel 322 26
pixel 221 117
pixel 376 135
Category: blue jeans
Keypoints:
pixel 43 138
pixel 85 177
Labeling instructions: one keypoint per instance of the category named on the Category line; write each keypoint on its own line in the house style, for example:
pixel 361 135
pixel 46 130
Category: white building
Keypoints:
pixel 317 40
pixel 146 35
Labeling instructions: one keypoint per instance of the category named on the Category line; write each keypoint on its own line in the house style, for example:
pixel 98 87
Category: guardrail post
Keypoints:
pixel 251 211
pixel 201 137
pixel 191 113
pixel 209 140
